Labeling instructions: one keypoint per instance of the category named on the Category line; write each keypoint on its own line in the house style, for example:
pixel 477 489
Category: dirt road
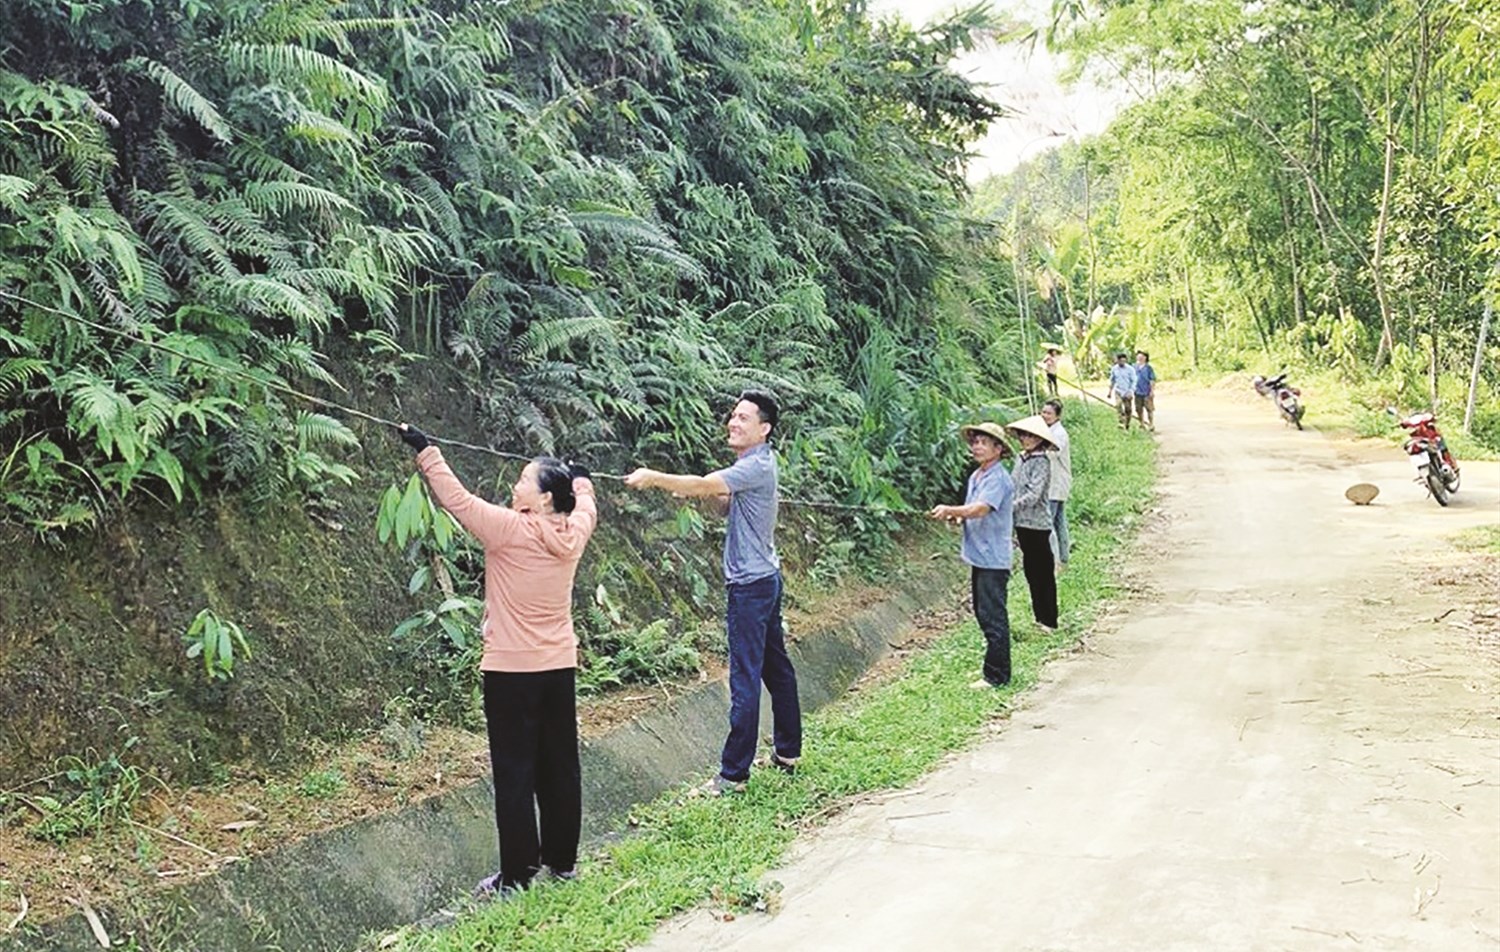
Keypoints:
pixel 1272 747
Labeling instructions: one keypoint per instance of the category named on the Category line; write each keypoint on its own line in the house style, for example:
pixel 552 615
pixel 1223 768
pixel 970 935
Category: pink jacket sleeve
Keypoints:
pixel 585 513
pixel 492 525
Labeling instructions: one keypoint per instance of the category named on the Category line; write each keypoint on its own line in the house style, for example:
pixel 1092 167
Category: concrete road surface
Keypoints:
pixel 1273 747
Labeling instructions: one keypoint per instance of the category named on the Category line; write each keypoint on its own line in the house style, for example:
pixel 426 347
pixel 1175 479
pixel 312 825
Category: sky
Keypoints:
pixel 1024 80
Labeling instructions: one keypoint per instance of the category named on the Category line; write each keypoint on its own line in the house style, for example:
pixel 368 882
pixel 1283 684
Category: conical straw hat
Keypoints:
pixel 1034 425
pixel 1361 493
pixel 992 430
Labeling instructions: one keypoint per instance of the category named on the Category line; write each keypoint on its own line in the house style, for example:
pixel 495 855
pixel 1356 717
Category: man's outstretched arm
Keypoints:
pixel 678 484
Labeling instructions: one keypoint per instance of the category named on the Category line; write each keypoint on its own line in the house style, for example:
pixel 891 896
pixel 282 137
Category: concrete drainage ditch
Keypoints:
pixel 331 890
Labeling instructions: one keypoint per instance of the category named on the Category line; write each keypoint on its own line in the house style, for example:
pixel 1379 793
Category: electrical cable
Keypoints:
pixel 361 414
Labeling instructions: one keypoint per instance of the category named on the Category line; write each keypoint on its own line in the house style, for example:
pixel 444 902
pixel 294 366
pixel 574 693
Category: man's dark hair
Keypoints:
pixel 553 476
pixel 764 402
pixel 1142 353
pixel 1122 354
pixel 1056 406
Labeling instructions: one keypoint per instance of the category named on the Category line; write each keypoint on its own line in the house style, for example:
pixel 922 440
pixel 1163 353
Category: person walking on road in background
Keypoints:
pixel 1145 390
pixel 987 518
pixel 1122 387
pixel 1032 475
pixel 1060 480
pixel 530 654
pixel 753 582
pixel 1049 368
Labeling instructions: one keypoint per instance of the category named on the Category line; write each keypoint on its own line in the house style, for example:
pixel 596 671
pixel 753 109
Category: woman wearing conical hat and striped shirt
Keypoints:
pixel 1033 517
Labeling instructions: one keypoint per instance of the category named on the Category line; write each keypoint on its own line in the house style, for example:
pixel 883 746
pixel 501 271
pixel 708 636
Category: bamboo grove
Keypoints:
pixel 1311 184
pixel 600 215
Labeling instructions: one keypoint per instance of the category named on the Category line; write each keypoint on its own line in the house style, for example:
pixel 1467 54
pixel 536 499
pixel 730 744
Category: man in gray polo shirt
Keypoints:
pixel 987 520
pixel 752 579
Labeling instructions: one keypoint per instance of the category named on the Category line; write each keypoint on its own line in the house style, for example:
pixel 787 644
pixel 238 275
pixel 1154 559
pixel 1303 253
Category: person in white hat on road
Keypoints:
pixel 986 516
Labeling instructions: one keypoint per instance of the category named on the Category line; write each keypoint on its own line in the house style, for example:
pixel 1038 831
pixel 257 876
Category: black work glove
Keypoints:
pixel 413 437
pixel 578 471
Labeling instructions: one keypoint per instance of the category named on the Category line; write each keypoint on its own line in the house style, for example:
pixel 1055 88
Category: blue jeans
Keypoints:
pixel 757 652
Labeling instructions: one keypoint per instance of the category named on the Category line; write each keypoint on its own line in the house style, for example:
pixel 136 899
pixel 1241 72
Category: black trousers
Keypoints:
pixel 532 719
pixel 988 589
pixel 1041 578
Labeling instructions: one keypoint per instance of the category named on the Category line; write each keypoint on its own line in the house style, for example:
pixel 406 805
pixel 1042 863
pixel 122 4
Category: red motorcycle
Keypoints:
pixel 1283 394
pixel 1428 451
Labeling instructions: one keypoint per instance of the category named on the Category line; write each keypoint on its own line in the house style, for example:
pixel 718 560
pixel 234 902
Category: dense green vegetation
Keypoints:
pixel 683 852
pixel 605 216
pixel 574 228
pixel 1302 185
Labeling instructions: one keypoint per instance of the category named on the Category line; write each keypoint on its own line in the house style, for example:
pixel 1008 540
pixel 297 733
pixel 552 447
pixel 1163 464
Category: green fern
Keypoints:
pixel 317 429
pixel 17 372
pixel 440 209
pixel 183 97
pixel 16 343
pixel 298 358
pixel 180 222
pixel 14 190
pixel 97 408
pixel 261 165
pixel 315 69
pixel 164 465
pixel 270 298
pixel 283 198
pixel 545 338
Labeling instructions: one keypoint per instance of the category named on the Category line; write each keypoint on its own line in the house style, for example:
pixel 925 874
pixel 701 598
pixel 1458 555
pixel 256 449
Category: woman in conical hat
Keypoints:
pixel 1033 517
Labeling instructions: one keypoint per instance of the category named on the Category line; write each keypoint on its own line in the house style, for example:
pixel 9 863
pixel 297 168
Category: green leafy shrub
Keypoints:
pixel 1486 426
pixel 216 641
pixel 91 795
pixel 445 565
pixel 651 653
pixel 1373 422
pixel 322 784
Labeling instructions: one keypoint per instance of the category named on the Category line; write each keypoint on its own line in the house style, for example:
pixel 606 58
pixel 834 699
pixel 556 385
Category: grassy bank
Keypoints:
pixel 683 852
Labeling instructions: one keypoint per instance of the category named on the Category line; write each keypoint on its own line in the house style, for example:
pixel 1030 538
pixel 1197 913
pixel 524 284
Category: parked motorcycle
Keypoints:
pixel 1428 451
pixel 1283 394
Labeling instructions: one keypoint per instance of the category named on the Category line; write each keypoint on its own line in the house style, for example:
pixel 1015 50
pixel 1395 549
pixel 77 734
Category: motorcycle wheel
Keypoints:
pixel 1452 484
pixel 1436 487
pixel 1297 419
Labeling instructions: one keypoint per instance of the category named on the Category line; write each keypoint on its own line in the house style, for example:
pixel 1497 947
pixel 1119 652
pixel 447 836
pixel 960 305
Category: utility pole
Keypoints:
pixel 1484 328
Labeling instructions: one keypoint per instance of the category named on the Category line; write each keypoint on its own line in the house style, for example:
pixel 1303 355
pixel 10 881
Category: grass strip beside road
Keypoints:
pixel 682 852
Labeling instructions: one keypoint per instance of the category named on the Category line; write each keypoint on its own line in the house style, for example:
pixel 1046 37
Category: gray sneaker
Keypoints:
pixel 718 786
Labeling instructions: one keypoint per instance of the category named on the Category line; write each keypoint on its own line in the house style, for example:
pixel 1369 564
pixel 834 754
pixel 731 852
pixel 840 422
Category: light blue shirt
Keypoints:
pixel 1122 380
pixel 987 540
pixel 750 543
